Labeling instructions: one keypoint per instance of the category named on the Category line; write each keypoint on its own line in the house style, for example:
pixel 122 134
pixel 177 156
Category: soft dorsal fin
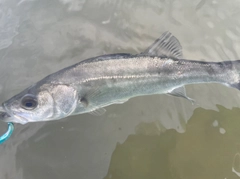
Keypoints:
pixel 166 45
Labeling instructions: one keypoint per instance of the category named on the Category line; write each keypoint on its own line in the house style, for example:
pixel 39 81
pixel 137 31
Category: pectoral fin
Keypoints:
pixel 180 92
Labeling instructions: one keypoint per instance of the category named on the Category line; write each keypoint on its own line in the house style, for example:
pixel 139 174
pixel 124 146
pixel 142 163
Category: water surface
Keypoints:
pixel 148 137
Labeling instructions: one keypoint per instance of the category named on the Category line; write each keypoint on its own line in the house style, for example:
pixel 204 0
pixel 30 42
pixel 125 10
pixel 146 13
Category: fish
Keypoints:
pixel 94 83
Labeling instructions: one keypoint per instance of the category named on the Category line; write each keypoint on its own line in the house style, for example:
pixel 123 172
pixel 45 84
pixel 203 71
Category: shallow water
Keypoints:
pixel 147 137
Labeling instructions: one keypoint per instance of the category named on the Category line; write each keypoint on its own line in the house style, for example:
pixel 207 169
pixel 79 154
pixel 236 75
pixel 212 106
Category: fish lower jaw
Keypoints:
pixel 14 117
pixel 18 119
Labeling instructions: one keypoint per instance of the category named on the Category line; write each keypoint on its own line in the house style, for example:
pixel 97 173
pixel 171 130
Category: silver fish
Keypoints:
pixel 92 84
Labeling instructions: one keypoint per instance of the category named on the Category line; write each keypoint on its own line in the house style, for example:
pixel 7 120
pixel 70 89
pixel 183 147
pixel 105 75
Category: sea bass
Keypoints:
pixel 92 84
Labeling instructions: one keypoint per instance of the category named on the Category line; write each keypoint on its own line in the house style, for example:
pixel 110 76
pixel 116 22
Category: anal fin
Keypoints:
pixel 181 92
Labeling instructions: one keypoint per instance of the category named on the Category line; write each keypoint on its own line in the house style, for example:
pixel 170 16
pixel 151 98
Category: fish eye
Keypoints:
pixel 29 102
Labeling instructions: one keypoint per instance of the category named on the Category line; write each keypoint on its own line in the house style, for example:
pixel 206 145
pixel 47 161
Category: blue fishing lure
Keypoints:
pixel 7 134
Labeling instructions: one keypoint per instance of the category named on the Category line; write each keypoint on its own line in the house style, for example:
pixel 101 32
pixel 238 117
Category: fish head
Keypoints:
pixel 39 103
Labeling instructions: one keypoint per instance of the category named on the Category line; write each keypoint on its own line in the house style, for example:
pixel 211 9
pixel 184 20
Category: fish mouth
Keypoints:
pixel 7 115
pixel 4 116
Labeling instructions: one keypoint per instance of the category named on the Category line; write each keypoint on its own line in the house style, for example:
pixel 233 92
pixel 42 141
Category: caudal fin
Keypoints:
pixel 232 69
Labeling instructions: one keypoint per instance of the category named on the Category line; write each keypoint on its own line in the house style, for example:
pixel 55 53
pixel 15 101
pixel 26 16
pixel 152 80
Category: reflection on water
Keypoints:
pixel 143 156
pixel 201 152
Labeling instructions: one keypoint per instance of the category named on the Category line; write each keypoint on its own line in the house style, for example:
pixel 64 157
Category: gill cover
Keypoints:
pixel 65 100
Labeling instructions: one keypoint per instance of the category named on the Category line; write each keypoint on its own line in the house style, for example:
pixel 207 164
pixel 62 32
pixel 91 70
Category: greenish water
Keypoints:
pixel 147 137
pixel 203 151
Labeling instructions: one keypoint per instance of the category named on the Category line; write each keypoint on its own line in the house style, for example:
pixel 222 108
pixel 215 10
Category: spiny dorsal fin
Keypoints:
pixel 166 45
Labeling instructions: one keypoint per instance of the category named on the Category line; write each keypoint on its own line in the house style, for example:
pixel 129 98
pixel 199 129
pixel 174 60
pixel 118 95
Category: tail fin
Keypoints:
pixel 232 69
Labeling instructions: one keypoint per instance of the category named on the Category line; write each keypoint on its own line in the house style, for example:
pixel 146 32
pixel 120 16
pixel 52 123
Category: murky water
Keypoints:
pixel 147 137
